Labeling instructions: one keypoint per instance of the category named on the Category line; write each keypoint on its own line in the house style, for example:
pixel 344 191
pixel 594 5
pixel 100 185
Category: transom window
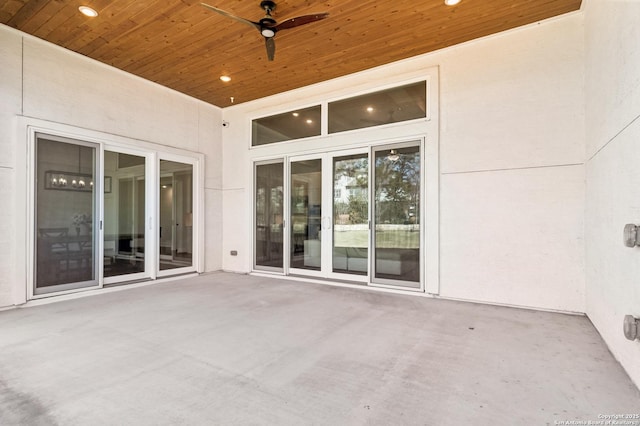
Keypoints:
pixel 375 109
pixel 290 125
pixel 397 104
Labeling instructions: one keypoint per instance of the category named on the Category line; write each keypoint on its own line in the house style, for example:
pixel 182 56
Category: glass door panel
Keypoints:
pixel 306 215
pixel 350 214
pixel 396 214
pixel 65 216
pixel 124 214
pixel 269 214
pixel 176 215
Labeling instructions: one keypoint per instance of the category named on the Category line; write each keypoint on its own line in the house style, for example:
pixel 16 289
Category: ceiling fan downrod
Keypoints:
pixel 268 6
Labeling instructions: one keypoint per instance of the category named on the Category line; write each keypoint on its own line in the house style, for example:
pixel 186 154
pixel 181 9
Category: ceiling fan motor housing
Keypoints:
pixel 268 21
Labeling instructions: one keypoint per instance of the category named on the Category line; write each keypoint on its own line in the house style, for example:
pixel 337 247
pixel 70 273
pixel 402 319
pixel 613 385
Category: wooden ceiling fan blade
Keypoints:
pixel 271 47
pixel 229 15
pixel 300 20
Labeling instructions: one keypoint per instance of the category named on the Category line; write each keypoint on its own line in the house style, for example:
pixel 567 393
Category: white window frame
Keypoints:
pixel 32 220
pixel 26 130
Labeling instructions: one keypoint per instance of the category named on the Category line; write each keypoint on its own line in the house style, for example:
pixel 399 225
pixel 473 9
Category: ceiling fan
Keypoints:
pixel 268 26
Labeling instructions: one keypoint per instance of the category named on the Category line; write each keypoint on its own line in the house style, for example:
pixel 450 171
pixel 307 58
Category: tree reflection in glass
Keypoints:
pixel 397 215
pixel 351 214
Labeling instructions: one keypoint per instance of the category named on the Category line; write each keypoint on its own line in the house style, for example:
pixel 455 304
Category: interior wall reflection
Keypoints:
pixel 269 204
pixel 124 214
pixel 65 215
pixel 176 215
pixel 306 214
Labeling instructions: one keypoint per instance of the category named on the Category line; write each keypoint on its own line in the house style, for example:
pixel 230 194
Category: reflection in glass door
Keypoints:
pixel 306 215
pixel 124 214
pixel 269 214
pixel 396 214
pixel 350 214
pixel 176 215
pixel 65 216
pixel 354 215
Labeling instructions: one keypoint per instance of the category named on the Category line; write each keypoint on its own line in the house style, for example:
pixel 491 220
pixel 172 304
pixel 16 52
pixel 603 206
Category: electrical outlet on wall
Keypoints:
pixel 631 235
pixel 630 327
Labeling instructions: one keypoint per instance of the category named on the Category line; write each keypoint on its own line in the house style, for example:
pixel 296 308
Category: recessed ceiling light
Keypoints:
pixel 225 78
pixel 369 109
pixel 87 11
pixel 451 2
pixel 296 114
pixel 309 121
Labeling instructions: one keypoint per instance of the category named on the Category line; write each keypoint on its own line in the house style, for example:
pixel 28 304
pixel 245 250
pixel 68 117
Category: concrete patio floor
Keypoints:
pixel 236 349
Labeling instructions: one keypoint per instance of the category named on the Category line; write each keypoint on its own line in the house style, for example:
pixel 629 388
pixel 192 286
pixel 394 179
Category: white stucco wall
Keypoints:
pixel 512 185
pixel 613 175
pixel 10 105
pixel 42 81
pixel 511 150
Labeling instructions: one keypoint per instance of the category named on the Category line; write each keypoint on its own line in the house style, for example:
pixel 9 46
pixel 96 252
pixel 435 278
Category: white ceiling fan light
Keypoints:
pixel 268 32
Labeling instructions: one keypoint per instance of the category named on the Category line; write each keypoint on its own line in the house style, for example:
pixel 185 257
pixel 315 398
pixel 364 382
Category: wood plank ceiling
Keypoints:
pixel 182 45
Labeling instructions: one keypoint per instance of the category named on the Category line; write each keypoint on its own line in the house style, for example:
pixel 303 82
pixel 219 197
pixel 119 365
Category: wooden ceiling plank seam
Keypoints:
pixel 25 13
pixel 70 27
pixel 48 26
pixel 142 48
pixel 38 19
pixel 87 30
pixel 12 6
pixel 9 8
pixel 125 18
pixel 145 22
pixel 189 49
pixel 100 27
pixel 194 59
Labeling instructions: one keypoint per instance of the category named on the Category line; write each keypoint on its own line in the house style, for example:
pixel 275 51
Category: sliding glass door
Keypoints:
pixel 329 215
pixel 66 208
pixel 176 216
pixel 350 234
pixel 106 214
pixel 396 216
pixel 353 215
pixel 305 245
pixel 125 254
pixel 269 216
